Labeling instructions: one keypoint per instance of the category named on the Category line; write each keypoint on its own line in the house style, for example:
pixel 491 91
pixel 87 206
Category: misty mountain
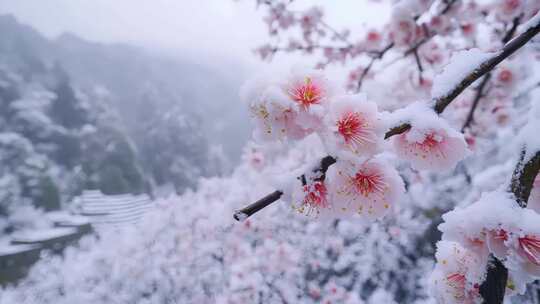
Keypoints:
pixel 81 115
pixel 130 72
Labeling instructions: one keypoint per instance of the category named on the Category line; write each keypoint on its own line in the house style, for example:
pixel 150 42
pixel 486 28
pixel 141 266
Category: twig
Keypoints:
pixel 246 212
pixel 479 94
pixel 378 56
pixel 418 64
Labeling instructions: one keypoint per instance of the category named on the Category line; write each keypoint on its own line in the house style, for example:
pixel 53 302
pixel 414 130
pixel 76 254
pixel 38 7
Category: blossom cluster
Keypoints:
pixel 504 229
pixel 363 182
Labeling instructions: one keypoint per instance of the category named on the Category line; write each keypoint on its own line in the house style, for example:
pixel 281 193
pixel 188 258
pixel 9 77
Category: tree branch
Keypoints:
pixel 515 44
pixel 441 102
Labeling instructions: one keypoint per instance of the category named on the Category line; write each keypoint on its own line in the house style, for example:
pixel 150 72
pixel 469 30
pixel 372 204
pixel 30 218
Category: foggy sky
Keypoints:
pixel 208 29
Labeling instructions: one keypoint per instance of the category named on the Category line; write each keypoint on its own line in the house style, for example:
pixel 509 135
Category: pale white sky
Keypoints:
pixel 209 29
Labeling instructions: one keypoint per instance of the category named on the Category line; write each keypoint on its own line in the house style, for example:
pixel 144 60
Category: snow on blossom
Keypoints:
pixel 353 127
pixel 367 188
pixel 458 274
pixel 430 144
pixel 461 63
pixel 504 229
pixel 500 215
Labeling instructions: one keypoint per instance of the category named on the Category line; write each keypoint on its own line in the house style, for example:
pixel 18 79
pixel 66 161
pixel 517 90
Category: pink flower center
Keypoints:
pixel 457 282
pixel 505 76
pixel 315 195
pixel 467 28
pixel 511 5
pixel 501 235
pixel 431 143
pixel 353 128
pixel 307 93
pixel 373 36
pixel 531 248
pixel 367 183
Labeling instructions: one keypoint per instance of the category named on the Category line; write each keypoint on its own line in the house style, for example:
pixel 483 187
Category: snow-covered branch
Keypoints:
pixel 443 101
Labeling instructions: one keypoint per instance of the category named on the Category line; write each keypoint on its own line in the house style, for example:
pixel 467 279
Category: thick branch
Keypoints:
pixel 515 44
pixel 493 288
pixel 523 178
pixel 441 102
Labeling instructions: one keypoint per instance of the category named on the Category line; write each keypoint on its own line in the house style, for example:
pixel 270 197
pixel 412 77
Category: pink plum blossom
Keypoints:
pixel 431 148
pixel 311 199
pixel 354 126
pixel 369 189
pixel 457 275
pixel 529 248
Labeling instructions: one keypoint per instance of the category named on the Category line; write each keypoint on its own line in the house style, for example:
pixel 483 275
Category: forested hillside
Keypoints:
pixel 77 115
